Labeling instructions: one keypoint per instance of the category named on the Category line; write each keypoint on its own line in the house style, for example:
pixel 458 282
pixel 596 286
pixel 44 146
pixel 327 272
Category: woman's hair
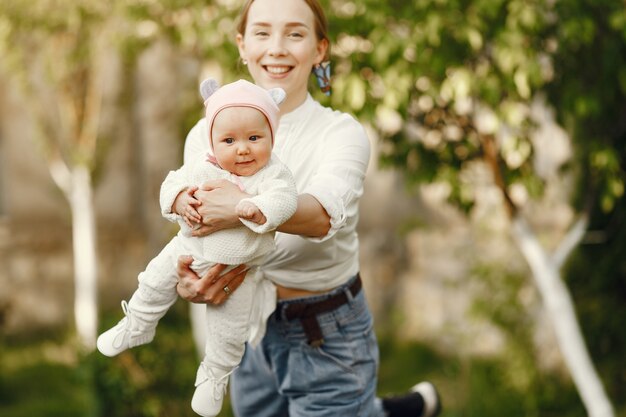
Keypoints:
pixel 321 24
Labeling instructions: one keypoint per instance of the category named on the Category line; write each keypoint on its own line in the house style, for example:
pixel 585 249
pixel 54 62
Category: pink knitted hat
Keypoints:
pixel 241 93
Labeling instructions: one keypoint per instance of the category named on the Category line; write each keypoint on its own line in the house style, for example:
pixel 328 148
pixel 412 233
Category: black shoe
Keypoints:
pixel 421 401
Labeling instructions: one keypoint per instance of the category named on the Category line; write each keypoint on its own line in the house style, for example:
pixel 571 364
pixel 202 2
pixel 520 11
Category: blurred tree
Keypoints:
pixel 591 97
pixel 459 86
pixel 53 49
pixel 56 52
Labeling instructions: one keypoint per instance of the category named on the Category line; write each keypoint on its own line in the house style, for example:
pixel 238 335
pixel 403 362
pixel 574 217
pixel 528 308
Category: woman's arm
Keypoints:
pixel 332 193
pixel 309 220
pixel 219 199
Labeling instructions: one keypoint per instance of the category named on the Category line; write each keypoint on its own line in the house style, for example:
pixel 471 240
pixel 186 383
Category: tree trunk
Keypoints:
pixel 85 261
pixel 75 182
pixel 546 273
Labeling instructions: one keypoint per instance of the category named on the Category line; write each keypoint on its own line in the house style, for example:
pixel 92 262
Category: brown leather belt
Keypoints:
pixel 307 312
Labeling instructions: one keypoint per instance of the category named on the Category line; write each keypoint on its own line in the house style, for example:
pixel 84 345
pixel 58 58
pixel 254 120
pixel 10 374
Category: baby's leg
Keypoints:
pixel 228 325
pixel 157 287
pixel 150 302
pixel 228 328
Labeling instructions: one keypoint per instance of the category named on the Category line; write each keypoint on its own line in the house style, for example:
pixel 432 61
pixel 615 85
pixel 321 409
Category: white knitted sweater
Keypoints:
pixel 273 191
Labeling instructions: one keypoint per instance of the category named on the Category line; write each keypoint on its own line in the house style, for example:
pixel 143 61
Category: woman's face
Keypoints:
pixel 281 47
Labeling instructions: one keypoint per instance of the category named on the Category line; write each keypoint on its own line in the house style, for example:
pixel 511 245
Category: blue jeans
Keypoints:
pixel 286 377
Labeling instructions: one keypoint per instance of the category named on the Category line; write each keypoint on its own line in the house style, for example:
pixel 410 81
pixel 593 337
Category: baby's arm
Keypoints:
pixel 277 199
pixel 247 210
pixel 185 206
pixel 175 194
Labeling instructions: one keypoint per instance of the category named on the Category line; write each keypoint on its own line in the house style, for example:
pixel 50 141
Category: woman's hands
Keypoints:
pixel 212 287
pixel 218 200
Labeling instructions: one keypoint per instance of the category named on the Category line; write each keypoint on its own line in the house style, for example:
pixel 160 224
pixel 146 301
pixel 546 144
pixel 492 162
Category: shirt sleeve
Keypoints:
pixel 174 183
pixel 196 142
pixel 338 182
pixel 178 180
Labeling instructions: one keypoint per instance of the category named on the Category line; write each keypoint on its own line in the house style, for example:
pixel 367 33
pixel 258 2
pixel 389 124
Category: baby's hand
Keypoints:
pixel 247 210
pixel 185 206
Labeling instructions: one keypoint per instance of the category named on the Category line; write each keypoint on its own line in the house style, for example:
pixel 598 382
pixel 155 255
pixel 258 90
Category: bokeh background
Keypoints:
pixel 499 137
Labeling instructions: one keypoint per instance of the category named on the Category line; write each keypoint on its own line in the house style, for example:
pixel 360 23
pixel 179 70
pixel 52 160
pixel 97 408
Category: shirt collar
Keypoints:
pixel 299 113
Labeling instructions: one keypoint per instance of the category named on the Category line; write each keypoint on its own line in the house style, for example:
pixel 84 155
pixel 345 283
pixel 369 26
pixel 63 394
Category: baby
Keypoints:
pixel 242 119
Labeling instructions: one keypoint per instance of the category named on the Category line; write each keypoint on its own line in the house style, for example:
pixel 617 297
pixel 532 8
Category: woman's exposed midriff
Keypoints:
pixel 285 293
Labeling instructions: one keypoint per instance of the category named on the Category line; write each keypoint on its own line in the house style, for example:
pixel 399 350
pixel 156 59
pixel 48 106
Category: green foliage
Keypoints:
pixel 457 80
pixel 52 52
pixel 589 94
pixel 152 380
pixel 34 382
pixel 474 387
pixel 500 302
pixel 143 383
pixel 46 389
pixel 432 71
pixel 596 277
pixel 438 78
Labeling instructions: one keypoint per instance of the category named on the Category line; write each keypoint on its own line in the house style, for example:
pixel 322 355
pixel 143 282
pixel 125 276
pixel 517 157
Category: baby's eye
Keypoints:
pixel 229 140
pixel 254 138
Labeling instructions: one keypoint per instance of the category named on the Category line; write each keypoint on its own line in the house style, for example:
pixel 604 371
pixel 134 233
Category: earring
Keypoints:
pixel 322 74
pixel 244 61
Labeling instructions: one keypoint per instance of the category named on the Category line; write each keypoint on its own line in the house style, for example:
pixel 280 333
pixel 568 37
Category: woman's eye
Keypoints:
pixel 261 33
pixel 295 35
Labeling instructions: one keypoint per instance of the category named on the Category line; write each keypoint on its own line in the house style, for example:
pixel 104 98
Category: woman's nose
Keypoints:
pixel 277 46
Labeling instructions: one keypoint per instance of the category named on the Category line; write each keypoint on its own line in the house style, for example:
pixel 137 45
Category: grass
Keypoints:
pixel 39 378
pixel 46 389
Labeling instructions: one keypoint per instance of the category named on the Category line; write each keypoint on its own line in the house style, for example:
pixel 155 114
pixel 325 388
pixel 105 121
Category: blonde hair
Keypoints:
pixel 321 23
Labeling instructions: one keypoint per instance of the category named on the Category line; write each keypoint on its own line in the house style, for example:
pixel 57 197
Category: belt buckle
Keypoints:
pixel 316 343
pixel 313 332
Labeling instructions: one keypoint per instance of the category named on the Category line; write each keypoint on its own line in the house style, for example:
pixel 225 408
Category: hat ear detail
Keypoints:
pixel 208 87
pixel 277 94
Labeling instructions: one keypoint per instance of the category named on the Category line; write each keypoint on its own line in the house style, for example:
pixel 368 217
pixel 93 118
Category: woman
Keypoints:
pixel 319 355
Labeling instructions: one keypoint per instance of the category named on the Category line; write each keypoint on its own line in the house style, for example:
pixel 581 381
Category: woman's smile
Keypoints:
pixel 277 69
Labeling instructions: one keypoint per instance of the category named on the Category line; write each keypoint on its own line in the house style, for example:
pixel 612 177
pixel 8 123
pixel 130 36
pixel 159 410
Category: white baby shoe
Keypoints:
pixel 124 335
pixel 211 383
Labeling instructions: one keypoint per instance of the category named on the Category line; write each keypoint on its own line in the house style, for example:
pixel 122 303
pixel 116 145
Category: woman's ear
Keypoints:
pixel 208 87
pixel 241 46
pixel 321 49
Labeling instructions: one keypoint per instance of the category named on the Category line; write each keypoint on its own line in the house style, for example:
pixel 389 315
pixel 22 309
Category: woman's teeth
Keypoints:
pixel 277 70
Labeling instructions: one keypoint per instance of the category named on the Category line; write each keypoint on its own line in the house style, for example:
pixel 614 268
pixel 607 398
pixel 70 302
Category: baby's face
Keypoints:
pixel 242 141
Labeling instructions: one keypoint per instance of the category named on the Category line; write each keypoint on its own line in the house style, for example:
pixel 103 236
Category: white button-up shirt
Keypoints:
pixel 328 152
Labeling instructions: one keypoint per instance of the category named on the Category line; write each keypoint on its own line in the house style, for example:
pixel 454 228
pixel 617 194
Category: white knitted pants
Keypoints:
pixel 228 325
